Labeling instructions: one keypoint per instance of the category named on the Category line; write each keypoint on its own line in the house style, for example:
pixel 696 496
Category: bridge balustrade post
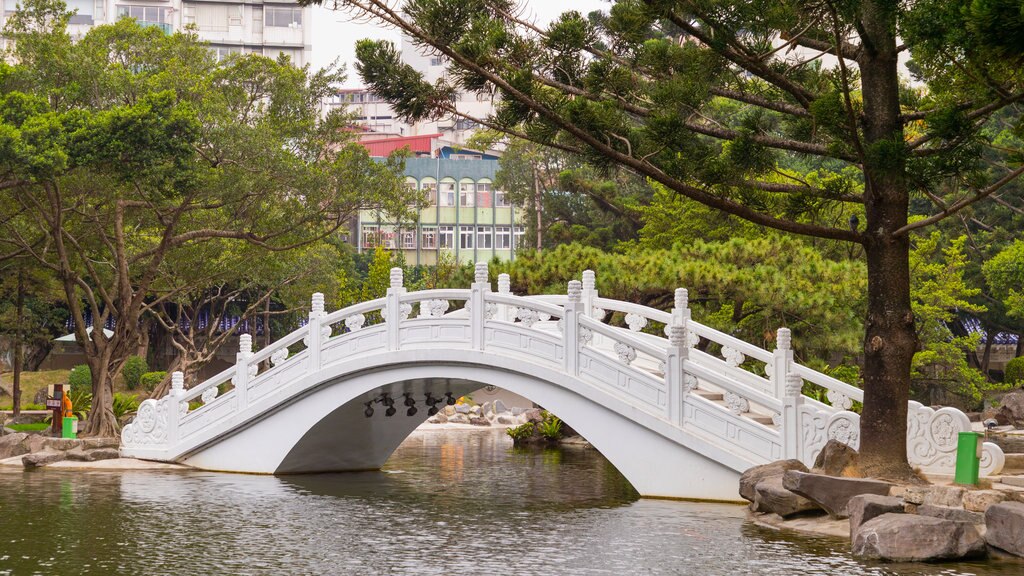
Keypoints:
pixel 589 293
pixel 571 327
pixel 393 306
pixel 505 312
pixel 478 304
pixel 314 338
pixel 675 377
pixel 788 389
pixel 174 410
pixel 241 377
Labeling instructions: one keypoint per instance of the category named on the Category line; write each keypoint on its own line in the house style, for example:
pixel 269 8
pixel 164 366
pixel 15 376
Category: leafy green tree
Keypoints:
pixel 939 293
pixel 131 148
pixel 1005 274
pixel 711 99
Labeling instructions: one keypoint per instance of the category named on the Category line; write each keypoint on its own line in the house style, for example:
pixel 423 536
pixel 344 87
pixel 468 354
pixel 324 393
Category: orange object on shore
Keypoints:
pixel 67 406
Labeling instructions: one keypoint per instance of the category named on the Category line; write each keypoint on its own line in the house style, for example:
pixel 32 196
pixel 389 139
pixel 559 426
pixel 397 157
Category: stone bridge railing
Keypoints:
pixel 739 397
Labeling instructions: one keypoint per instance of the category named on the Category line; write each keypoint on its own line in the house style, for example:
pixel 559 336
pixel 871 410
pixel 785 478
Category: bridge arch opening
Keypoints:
pixel 326 430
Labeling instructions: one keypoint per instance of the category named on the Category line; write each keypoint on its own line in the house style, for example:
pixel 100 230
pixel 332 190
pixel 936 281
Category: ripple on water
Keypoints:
pixel 446 503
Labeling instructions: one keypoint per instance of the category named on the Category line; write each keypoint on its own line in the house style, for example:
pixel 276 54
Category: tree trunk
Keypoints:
pixel 890 339
pixel 102 422
pixel 987 354
pixel 1020 346
pixel 19 344
pixel 538 206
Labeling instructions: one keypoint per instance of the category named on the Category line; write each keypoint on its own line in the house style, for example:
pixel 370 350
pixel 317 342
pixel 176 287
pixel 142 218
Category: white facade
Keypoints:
pixel 270 28
pixel 377 115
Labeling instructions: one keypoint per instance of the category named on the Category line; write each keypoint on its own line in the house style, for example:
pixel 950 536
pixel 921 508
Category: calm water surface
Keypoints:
pixel 448 502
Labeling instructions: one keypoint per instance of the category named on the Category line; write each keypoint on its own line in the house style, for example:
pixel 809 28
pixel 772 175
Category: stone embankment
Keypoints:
pixel 29 451
pixel 885 521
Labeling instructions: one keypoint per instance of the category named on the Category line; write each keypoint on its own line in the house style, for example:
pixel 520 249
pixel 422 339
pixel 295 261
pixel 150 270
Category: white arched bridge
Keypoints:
pixel 676 419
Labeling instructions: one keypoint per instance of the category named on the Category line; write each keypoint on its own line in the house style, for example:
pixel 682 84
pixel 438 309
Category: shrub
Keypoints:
pixel 1015 371
pixel 150 380
pixel 133 370
pixel 551 428
pixel 521 432
pixel 81 402
pixel 125 405
pixel 80 378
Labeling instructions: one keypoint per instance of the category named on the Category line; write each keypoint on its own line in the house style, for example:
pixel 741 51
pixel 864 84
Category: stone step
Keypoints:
pixel 712 396
pixel 1017 481
pixel 1014 461
pixel 759 418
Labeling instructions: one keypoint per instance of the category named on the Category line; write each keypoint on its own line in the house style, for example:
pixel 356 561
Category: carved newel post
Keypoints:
pixel 788 388
pixel 571 327
pixel 505 312
pixel 393 312
pixel 241 378
pixel 676 379
pixel 315 336
pixel 478 304
pixel 174 410
pixel 589 293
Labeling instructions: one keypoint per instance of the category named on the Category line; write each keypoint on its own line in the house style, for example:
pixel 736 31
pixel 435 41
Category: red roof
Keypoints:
pixel 385 146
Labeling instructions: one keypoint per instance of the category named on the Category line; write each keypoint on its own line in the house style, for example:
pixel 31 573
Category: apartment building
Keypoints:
pixel 270 27
pixel 463 216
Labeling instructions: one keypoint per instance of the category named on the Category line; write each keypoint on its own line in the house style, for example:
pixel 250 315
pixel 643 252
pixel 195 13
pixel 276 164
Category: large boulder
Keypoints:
pixel 479 421
pixel 752 476
pixel 14 444
pixel 835 459
pixel 771 497
pixel 38 459
pixel 867 506
pixel 935 495
pixel 82 455
pixel 912 538
pixel 1005 527
pixel 831 493
pixel 1011 407
pixel 954 514
pixel 981 500
pixel 499 407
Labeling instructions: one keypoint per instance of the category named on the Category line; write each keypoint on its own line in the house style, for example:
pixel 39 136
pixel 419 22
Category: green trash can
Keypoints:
pixel 70 429
pixel 968 458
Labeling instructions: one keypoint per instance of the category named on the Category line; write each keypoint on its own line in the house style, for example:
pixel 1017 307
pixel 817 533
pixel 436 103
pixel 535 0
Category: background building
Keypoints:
pixel 230 26
pixel 463 216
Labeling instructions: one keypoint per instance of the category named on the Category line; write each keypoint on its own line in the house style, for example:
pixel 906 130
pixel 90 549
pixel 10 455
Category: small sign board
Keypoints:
pixel 53 403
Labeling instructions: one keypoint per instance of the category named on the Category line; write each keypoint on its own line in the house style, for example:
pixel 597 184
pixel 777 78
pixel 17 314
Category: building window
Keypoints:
pixel 283 17
pixel 466 237
pixel 428 237
pixel 436 61
pixel 503 237
pixel 483 195
pixel 484 237
pixel 501 199
pixel 222 52
pixel 408 239
pixel 84 11
pixel 466 194
pixel 446 236
pixel 520 236
pixel 430 190
pixel 371 236
pixel 446 197
pixel 144 15
pixel 388 239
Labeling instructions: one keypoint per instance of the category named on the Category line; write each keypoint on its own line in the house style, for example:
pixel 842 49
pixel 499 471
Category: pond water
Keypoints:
pixel 447 502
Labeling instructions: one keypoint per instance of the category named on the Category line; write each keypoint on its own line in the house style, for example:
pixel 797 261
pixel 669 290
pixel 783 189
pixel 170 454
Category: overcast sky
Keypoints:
pixel 334 36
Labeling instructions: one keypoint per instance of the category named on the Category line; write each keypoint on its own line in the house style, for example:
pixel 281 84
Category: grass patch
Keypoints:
pixel 34 427
pixel 31 383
